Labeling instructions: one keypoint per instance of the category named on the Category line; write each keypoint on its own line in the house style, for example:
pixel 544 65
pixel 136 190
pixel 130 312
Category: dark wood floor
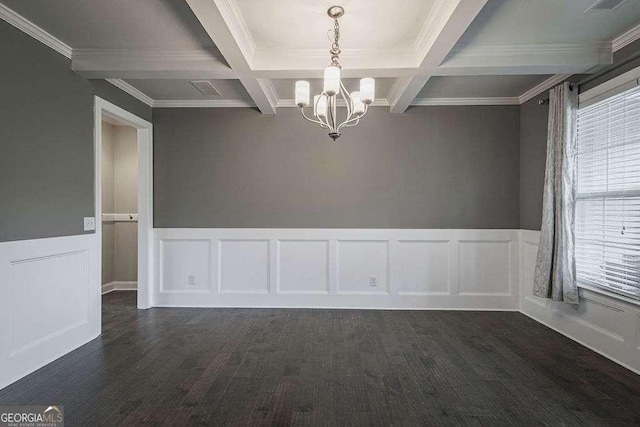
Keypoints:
pixel 329 367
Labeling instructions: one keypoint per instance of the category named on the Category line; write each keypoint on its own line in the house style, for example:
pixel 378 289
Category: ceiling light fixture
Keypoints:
pixel 325 105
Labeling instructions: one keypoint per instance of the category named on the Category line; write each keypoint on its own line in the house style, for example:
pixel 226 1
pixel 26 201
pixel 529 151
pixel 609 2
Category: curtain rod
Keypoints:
pixel 599 74
pixel 607 70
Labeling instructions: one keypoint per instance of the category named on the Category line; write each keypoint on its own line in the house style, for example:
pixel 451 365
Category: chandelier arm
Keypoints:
pixel 319 122
pixel 333 112
pixel 327 118
pixel 354 121
pixel 351 124
pixel 347 100
pixel 323 123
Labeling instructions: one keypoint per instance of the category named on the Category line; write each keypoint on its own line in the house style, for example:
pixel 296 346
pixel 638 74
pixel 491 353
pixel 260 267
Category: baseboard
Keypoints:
pixel 582 343
pixel 330 307
pixel 119 286
pixel 42 364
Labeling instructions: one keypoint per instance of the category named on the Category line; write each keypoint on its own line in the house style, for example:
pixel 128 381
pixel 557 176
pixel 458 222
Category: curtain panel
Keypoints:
pixel 555 273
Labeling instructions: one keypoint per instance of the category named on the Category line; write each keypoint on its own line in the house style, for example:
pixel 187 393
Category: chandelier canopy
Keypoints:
pixel 325 105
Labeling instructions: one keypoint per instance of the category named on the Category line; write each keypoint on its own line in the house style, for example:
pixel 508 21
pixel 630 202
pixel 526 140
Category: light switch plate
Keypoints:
pixel 89 223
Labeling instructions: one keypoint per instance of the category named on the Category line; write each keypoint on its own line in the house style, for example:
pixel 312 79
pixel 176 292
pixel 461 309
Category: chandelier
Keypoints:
pixel 325 105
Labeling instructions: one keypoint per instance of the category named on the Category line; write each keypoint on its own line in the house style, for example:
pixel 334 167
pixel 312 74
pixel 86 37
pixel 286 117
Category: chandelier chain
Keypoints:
pixel 335 46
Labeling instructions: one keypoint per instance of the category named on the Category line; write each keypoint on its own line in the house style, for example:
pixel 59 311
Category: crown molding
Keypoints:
pixel 626 38
pixel 529 48
pixel 217 103
pixel 34 31
pixel 320 53
pixel 421 102
pixel 291 103
pixel 158 55
pixel 137 94
pixel 433 25
pixel 178 103
pixel 238 26
pixel 272 59
pixel 545 85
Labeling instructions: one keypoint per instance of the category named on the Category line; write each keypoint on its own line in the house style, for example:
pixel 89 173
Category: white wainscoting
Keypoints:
pixel 605 324
pixel 411 269
pixel 48 301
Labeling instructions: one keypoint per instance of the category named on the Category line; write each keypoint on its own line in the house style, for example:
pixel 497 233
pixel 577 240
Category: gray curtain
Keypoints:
pixel 555 275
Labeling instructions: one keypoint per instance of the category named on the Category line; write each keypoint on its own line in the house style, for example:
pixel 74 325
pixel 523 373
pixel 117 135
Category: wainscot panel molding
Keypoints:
pixel 337 268
pixel 605 324
pixel 49 301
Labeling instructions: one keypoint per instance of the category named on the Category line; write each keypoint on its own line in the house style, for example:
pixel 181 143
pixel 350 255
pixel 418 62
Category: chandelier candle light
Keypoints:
pixel 325 105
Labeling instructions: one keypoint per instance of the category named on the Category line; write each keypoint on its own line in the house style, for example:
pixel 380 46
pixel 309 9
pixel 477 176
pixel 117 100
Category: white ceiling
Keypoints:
pixel 253 51
pixel 302 25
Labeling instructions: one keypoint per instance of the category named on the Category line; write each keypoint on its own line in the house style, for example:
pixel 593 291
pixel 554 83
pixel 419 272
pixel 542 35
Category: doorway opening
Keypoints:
pixel 119 206
pixel 123 205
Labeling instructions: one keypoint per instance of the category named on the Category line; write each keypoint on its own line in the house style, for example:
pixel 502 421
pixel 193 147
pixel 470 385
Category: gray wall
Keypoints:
pixel 433 167
pixel 533 141
pixel 46 139
pixel 533 154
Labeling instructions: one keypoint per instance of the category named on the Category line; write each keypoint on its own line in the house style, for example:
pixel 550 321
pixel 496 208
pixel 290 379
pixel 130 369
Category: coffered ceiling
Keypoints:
pixel 421 52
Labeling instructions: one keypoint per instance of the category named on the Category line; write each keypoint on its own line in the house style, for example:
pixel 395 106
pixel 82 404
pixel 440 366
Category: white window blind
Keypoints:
pixel 608 194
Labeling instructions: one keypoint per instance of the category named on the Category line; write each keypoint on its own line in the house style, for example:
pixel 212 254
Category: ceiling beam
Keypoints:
pixel 150 64
pixel 567 58
pixel 440 34
pixel 215 17
pixel 404 91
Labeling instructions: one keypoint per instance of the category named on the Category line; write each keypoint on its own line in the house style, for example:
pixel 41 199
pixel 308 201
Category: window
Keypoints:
pixel 608 194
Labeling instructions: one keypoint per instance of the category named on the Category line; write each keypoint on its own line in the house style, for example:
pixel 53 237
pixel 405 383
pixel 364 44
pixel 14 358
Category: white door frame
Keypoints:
pixel 145 197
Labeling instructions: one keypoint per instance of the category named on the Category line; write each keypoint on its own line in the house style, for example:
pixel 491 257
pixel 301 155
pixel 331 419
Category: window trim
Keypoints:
pixel 602 290
pixel 610 88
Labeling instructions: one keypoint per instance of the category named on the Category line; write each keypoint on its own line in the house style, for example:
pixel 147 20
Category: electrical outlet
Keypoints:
pixel 89 223
pixel 192 280
pixel 373 281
